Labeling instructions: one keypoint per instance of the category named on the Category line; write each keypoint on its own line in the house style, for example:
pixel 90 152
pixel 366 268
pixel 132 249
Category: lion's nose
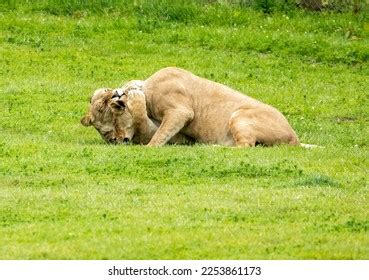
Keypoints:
pixel 117 93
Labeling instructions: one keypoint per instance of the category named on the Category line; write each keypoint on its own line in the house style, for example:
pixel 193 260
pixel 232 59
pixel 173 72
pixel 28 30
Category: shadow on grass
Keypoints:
pixel 312 180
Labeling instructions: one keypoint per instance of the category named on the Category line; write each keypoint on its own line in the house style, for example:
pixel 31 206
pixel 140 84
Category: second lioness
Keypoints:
pixel 206 111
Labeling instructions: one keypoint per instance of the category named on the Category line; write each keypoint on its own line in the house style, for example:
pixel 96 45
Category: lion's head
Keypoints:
pixel 109 116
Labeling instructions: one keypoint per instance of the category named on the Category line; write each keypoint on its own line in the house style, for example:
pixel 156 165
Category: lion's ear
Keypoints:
pixel 117 105
pixel 86 120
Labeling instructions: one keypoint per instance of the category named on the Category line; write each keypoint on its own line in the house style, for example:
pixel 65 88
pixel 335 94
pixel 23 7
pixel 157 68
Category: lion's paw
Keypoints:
pixel 136 100
pixel 135 94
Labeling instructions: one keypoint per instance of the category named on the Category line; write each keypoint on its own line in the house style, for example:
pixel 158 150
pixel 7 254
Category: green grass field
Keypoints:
pixel 65 194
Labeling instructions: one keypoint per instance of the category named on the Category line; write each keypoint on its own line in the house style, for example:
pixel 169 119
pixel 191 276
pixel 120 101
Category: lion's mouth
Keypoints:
pixel 115 141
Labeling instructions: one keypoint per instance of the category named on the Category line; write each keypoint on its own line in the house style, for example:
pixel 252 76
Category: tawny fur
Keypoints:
pixel 200 109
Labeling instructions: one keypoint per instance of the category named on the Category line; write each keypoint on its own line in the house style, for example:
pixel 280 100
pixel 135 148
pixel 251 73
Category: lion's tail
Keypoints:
pixel 310 146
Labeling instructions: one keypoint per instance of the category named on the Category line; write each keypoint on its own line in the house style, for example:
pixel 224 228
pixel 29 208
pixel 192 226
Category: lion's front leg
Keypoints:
pixel 173 121
pixel 143 125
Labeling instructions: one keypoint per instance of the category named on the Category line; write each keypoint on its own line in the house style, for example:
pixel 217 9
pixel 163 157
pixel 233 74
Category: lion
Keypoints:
pixel 208 112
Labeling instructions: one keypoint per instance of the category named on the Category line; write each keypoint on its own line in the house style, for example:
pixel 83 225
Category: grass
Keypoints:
pixel 64 194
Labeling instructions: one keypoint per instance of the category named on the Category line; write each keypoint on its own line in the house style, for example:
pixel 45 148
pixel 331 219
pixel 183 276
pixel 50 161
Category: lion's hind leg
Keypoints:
pixel 242 129
pixel 260 126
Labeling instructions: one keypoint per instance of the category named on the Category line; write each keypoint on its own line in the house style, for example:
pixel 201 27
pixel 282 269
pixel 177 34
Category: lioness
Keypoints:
pixel 203 110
